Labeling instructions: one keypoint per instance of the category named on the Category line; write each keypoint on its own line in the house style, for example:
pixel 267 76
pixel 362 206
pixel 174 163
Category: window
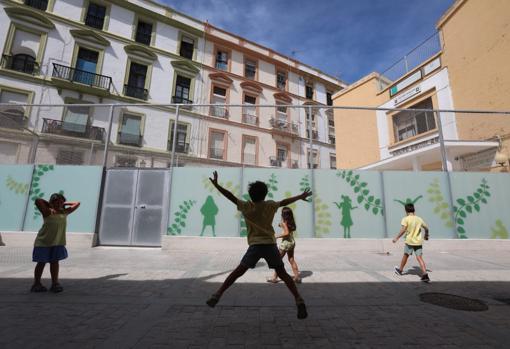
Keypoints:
pixel 13 116
pixel 95 16
pixel 182 90
pixel 309 91
pixel 315 159
pixel 76 119
pixel 410 123
pixel 281 112
pixel 38 4
pixel 23 52
pixel 222 60
pixel 181 142
pixel 217 145
pixel 187 47
pixel 329 100
pixel 86 65
pixel 136 81
pixel 281 80
pixel 250 112
pixel 130 131
pixel 314 125
pixel 332 161
pixel 250 69
pixel 219 97
pixel 249 150
pixel 143 33
pixel 282 154
pixel 69 157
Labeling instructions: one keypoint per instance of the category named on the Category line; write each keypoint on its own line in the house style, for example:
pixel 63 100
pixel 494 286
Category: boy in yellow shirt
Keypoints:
pixel 411 226
pixel 259 215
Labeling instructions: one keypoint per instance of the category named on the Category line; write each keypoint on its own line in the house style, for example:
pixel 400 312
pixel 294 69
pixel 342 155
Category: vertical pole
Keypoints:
pixel 310 164
pixel 444 161
pixel 107 140
pixel 385 212
pixel 174 143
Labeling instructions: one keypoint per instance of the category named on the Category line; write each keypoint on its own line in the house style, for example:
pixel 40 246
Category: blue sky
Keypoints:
pixel 344 38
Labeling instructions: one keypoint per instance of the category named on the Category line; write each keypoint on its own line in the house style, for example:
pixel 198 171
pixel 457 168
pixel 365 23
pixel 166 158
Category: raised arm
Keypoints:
pixel 70 207
pixel 222 190
pixel 302 196
pixel 43 206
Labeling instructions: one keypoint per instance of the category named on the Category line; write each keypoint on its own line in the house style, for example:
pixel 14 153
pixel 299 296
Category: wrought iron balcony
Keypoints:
pixel 284 125
pixel 130 139
pixel 65 128
pixel 38 4
pixel 181 100
pixel 20 62
pixel 216 153
pixel 94 21
pixel 81 76
pixel 219 111
pixel 136 92
pixel 278 162
pixel 250 119
pixel 180 147
pixel 13 118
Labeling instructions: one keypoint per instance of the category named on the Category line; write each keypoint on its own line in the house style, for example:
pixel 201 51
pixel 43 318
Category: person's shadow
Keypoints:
pixel 305 273
pixel 415 271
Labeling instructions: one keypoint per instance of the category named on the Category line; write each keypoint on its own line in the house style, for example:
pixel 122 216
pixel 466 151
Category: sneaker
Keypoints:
pixel 425 278
pixel 301 310
pixel 398 271
pixel 213 300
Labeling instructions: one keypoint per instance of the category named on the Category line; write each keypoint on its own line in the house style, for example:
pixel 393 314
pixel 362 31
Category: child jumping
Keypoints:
pixel 49 245
pixel 259 215
pixel 411 226
pixel 288 225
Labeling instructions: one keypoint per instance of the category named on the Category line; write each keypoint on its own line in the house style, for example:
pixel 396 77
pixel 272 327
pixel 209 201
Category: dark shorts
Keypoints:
pixel 269 252
pixel 49 254
pixel 409 249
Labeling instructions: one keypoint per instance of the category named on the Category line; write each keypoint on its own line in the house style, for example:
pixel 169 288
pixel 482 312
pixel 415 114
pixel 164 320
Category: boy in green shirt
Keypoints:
pixel 259 215
pixel 411 226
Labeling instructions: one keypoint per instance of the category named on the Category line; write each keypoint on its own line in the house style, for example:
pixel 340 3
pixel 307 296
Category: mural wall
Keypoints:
pixel 346 204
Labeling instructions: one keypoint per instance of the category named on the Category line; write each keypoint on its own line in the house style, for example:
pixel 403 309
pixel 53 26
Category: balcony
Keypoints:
pixel 94 21
pixel 64 128
pixel 284 126
pixel 216 153
pixel 130 139
pixel 250 119
pixel 38 4
pixel 278 162
pixel 220 112
pixel 332 140
pixel 249 159
pixel 182 148
pixel 13 119
pixel 63 75
pixel 315 134
pixel 21 62
pixel 136 92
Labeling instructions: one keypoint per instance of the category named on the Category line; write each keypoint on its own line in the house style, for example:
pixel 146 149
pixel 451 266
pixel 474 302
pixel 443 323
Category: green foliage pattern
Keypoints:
pixel 229 185
pixel 36 191
pixel 305 184
pixel 469 205
pixel 322 218
pixel 369 202
pixel 441 207
pixel 180 217
pixel 499 231
pixel 17 187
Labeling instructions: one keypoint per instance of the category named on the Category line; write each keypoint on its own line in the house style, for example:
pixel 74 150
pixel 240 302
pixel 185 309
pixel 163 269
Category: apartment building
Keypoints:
pixel 142 56
pixel 462 67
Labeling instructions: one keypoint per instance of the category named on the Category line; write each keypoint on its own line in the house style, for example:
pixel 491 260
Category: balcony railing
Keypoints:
pixel 22 63
pixel 181 100
pixel 136 92
pixel 216 153
pixel 94 21
pixel 220 112
pixel 38 4
pixel 65 128
pixel 130 139
pixel 315 134
pixel 278 162
pixel 283 125
pixel 82 76
pixel 13 118
pixel 182 148
pixel 250 119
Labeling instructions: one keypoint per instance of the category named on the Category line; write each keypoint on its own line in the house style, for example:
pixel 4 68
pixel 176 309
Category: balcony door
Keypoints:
pixel 86 65
pixel 136 81
pixel 76 119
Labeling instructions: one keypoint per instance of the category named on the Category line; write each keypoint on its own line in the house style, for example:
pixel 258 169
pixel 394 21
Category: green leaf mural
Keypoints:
pixel 469 205
pixel 369 202
pixel 17 187
pixel 303 185
pixel 441 208
pixel 409 200
pixel 345 207
pixel 36 192
pixel 229 185
pixel 181 217
pixel 322 217
pixel 499 231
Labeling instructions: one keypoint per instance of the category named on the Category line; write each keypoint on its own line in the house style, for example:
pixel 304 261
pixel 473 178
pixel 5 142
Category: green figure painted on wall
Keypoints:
pixel 209 210
pixel 345 208
pixel 409 200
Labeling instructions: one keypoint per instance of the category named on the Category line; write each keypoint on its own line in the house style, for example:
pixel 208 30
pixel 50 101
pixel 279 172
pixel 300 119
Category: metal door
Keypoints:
pixel 135 207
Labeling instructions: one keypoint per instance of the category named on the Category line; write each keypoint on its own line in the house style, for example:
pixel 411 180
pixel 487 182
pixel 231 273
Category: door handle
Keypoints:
pixel 143 206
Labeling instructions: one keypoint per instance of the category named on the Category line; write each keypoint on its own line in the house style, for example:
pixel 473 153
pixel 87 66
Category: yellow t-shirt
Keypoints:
pixel 413 224
pixel 259 220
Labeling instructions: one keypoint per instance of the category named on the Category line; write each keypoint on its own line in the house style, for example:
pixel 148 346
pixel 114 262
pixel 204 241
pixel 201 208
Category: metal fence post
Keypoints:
pixel 108 135
pixel 310 164
pixel 174 142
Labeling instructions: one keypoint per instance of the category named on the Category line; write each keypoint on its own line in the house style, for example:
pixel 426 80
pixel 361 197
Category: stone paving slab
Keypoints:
pixel 152 298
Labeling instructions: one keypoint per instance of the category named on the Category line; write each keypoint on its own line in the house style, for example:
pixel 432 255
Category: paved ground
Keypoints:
pixel 149 298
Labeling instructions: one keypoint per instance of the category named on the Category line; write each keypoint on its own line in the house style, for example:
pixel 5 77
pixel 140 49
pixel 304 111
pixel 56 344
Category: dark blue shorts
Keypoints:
pixel 269 252
pixel 49 254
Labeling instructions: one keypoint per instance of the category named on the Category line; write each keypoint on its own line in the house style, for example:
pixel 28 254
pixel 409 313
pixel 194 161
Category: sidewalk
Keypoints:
pixel 153 298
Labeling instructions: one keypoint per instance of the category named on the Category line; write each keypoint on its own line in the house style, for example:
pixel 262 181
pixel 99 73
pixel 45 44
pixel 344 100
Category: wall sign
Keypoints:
pixel 411 79
pixel 406 95
pixel 480 160
pixel 429 68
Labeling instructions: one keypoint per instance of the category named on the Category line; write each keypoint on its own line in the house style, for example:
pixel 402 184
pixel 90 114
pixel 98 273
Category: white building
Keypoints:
pixel 140 52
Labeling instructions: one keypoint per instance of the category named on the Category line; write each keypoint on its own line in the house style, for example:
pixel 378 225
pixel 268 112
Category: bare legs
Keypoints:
pixel 39 268
pixel 38 271
pixel 403 262
pixel 293 265
pixel 422 264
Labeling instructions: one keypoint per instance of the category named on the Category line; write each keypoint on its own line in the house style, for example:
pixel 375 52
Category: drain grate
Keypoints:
pixel 452 301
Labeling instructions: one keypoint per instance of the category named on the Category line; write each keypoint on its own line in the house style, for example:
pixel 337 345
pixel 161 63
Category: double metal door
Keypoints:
pixel 135 207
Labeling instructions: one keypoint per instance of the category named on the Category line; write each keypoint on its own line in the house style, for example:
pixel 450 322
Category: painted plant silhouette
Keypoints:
pixel 409 200
pixel 209 210
pixel 345 208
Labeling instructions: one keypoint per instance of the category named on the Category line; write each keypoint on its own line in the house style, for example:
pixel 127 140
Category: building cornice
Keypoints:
pixel 449 13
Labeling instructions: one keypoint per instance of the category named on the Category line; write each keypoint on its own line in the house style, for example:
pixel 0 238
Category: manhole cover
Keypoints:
pixel 503 300
pixel 452 301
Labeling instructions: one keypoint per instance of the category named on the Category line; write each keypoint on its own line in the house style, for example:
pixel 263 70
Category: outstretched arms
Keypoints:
pixel 301 196
pixel 222 190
